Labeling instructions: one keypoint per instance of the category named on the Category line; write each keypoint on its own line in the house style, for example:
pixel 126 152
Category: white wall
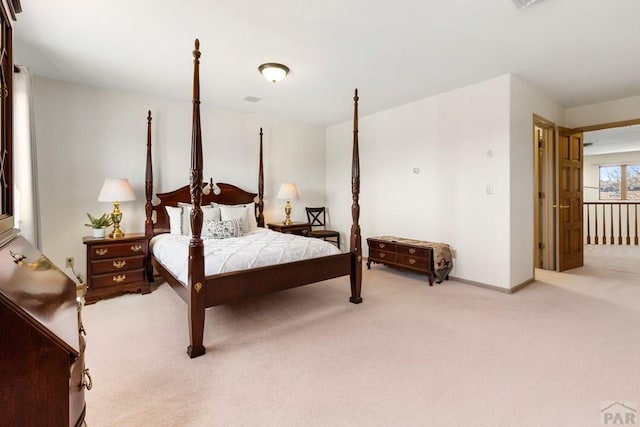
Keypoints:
pixel 525 102
pixel 447 137
pixel 85 135
pixel 461 141
pixel 605 112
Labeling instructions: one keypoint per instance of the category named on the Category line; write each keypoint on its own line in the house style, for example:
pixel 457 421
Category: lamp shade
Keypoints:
pixel 116 190
pixel 273 72
pixel 288 191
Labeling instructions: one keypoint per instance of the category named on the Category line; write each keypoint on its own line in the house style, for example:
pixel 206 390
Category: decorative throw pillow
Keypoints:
pixel 175 219
pixel 208 213
pixel 235 212
pixel 222 229
pixel 251 221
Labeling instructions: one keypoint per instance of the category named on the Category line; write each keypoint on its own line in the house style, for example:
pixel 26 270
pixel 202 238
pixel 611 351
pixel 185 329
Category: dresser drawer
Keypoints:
pixel 423 264
pixel 414 251
pixel 115 265
pixel 119 250
pixel 382 255
pixel 117 278
pixel 386 246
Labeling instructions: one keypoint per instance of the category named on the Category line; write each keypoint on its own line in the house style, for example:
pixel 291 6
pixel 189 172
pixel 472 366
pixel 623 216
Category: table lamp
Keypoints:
pixel 116 190
pixel 287 192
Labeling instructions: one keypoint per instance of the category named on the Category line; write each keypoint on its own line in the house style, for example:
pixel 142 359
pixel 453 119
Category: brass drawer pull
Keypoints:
pixel 412 251
pixel 381 254
pixel 136 248
pixel 412 261
pixel 382 245
pixel 119 279
pixel 120 263
pixel 86 379
pixel 102 251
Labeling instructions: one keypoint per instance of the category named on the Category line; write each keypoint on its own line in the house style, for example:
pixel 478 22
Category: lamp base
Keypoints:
pixel 117 234
pixel 287 212
pixel 116 217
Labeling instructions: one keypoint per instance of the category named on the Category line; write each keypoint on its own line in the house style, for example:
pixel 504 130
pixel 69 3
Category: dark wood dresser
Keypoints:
pixel 401 253
pixel 42 372
pixel 115 266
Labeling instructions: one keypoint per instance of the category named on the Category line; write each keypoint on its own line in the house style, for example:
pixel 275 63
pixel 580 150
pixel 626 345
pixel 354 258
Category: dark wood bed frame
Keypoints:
pixel 201 292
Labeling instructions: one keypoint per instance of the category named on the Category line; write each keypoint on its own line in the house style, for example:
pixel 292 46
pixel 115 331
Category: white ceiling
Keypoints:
pixel 575 51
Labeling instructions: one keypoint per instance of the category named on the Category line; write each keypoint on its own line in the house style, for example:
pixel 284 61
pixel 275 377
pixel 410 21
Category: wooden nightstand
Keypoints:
pixel 299 228
pixel 115 266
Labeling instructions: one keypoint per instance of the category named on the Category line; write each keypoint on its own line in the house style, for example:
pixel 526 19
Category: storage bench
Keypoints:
pixel 410 254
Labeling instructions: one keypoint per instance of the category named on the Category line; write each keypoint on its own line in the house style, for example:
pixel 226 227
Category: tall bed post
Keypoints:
pixel 260 187
pixel 148 183
pixel 196 277
pixel 148 192
pixel 356 239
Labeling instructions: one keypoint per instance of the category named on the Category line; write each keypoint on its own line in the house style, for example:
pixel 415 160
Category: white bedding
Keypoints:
pixel 257 248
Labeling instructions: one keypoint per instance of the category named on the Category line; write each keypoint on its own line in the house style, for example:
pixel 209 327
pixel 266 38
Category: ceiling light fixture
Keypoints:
pixel 523 4
pixel 273 72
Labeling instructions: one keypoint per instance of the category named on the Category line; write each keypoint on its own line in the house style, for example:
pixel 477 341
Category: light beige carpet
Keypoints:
pixel 410 355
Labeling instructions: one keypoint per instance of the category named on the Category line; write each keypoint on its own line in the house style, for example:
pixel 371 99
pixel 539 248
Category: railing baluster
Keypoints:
pixel 611 240
pixel 628 236
pixel 627 226
pixel 588 225
pixel 604 225
pixel 596 223
pixel 619 223
pixel 636 218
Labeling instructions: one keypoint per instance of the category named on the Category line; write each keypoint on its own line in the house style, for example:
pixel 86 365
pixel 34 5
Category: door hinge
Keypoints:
pixel 541 195
pixel 540 245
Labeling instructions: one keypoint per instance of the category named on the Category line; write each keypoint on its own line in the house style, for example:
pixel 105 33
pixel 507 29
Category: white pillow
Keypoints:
pixel 222 229
pixel 175 219
pixel 209 213
pixel 252 222
pixel 235 212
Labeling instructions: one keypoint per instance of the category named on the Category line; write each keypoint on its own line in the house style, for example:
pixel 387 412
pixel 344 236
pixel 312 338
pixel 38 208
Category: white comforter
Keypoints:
pixel 257 248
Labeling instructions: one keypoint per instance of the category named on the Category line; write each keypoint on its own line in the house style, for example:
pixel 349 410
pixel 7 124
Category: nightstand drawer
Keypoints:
pixel 117 278
pixel 298 228
pixel 115 265
pixel 303 231
pixel 135 247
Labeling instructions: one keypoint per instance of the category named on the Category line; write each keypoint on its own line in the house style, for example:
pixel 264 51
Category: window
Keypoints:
pixel 633 182
pixel 620 182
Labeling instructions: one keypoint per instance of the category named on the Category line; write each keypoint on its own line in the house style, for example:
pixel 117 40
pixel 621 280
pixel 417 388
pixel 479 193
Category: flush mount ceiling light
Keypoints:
pixel 523 4
pixel 273 72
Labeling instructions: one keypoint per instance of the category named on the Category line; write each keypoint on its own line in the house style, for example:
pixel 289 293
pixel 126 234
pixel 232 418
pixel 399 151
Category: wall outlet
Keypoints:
pixel 68 262
pixel 454 253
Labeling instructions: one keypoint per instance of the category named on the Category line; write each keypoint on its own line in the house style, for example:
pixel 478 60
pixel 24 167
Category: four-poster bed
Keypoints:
pixel 201 291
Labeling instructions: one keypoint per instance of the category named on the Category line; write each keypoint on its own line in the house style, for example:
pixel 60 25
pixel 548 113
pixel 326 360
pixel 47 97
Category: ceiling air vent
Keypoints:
pixel 251 99
pixel 523 4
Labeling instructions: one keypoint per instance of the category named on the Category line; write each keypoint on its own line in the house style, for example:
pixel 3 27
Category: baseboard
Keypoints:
pixel 519 286
pixel 513 290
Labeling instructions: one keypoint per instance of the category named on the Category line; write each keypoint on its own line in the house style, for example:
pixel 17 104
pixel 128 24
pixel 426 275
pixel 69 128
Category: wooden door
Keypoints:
pixel 569 199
